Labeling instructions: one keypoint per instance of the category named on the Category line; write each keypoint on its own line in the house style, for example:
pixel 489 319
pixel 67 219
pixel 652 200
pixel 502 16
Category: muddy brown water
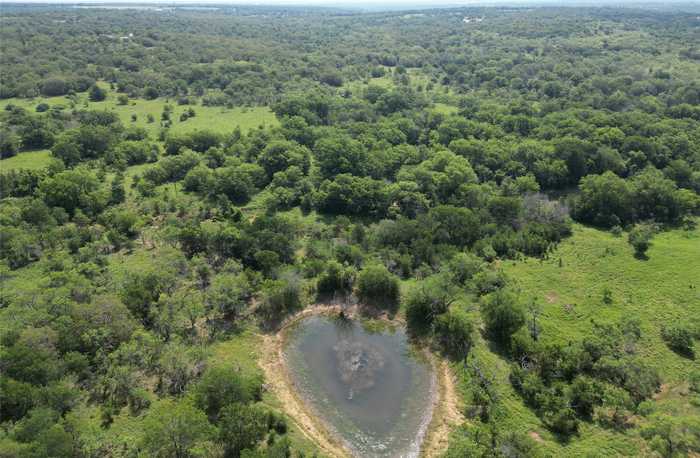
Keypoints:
pixel 369 387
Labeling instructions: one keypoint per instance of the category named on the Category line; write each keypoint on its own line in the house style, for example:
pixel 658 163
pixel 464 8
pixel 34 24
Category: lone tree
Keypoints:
pixel 640 238
pixel 97 94
pixel 503 315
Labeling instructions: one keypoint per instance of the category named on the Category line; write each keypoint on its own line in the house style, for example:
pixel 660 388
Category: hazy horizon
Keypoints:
pixel 365 3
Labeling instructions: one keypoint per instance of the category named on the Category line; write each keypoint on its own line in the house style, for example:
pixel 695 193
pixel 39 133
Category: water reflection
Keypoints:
pixel 366 385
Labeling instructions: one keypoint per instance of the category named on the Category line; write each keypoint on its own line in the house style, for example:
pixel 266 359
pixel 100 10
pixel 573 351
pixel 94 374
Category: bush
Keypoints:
pixel 453 332
pixel 150 93
pixel 9 144
pixel 97 94
pixel 174 428
pixel 640 239
pixel 54 86
pixel 336 278
pixel 428 299
pixel 229 294
pixel 678 339
pixel 377 286
pixel 199 141
pixel 332 79
pixel 280 297
pixel 221 386
pixel 503 315
pixel 242 427
pixel 463 267
pixel 694 380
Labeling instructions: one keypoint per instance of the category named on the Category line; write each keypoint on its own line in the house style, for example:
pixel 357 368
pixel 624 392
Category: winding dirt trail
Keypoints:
pixel 446 411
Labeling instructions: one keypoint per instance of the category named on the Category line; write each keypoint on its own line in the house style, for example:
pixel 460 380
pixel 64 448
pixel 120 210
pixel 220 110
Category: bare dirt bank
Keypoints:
pixel 280 384
pixel 446 412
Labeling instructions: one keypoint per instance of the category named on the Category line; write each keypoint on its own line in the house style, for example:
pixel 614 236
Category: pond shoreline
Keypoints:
pixel 445 413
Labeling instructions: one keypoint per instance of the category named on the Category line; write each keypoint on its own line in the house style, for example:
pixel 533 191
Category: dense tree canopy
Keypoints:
pixel 406 158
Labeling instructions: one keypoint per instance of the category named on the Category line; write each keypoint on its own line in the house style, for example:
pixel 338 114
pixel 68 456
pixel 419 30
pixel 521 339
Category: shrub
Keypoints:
pixel 54 86
pixel 678 339
pixel 377 286
pixel 453 332
pixel 9 144
pixel 221 386
pixel 97 94
pixel 281 297
pixel 427 300
pixel 336 278
pixel 242 427
pixel 640 239
pixel 503 315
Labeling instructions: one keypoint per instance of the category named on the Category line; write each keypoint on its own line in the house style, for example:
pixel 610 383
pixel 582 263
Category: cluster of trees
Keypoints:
pixel 244 65
pixel 608 200
pixel 118 281
pixel 22 131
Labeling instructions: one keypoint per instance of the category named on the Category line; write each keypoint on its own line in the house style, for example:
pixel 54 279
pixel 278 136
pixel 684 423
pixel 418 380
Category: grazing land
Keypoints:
pixel 31 160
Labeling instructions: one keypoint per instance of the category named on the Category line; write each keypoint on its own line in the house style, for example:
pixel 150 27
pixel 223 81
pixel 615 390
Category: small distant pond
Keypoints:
pixel 368 386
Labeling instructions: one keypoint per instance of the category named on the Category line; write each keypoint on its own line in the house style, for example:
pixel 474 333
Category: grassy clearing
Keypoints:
pixel 417 79
pixel 32 160
pixel 218 119
pixel 657 291
pixel 445 109
pixel 663 290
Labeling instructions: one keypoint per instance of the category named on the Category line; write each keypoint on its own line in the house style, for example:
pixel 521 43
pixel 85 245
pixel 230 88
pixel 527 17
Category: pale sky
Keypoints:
pixel 341 2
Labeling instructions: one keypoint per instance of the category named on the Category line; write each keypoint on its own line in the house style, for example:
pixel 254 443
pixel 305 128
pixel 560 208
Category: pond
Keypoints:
pixel 368 386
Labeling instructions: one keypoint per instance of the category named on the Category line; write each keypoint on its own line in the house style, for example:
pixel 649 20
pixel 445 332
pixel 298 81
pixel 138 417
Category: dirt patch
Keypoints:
pixel 446 410
pixel 672 390
pixel 663 391
pixel 535 436
pixel 551 297
pixel 446 413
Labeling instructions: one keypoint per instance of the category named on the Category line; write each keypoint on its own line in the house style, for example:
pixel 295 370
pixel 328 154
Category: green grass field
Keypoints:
pixel 32 160
pixel 218 119
pixel 663 290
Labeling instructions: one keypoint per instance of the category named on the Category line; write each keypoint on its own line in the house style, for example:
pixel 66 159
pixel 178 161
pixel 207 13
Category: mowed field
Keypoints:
pixel 663 290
